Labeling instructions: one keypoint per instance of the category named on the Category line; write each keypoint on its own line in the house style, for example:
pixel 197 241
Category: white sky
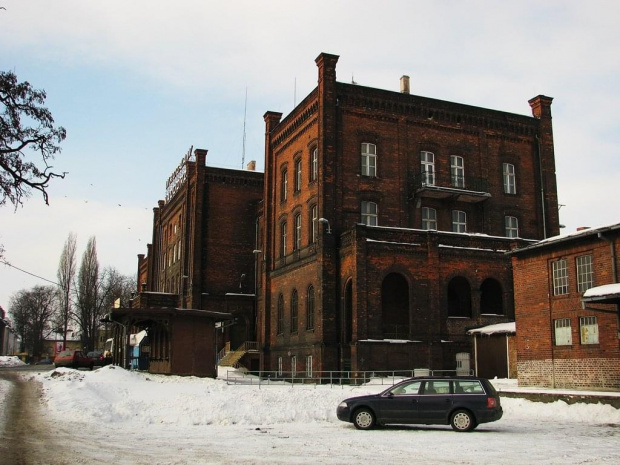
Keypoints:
pixel 137 83
pixel 115 416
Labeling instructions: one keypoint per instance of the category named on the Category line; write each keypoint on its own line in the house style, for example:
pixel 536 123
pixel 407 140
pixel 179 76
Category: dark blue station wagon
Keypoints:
pixel 462 402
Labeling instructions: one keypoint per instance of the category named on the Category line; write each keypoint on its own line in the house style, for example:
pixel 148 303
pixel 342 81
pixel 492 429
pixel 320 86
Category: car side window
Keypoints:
pixel 468 387
pixel 406 389
pixel 437 387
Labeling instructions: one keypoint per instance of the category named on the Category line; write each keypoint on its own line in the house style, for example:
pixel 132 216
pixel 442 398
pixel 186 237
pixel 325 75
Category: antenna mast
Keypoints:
pixel 245 112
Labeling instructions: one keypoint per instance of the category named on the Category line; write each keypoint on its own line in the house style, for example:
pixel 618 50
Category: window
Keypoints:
pixel 310 309
pixel 309 366
pixel 436 387
pixel 369 159
pixel 283 239
pixel 428 168
pixel 510 179
pixel 283 185
pixel 280 326
pixel 584 273
pixel 313 215
pixel 314 164
pixel 457 171
pixel 411 388
pixel 588 330
pixel 459 221
pixel 369 213
pixel 429 218
pixel 560 277
pixel 298 175
pixel 293 366
pixel 563 336
pixel 511 226
pixel 297 243
pixel 294 311
pixel 280 366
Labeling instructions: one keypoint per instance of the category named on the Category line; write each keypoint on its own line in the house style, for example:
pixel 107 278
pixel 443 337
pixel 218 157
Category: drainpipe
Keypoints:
pixel 542 188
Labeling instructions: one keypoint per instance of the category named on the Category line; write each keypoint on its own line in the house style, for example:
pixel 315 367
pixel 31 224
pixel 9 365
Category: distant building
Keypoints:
pixel 9 343
pixel 567 300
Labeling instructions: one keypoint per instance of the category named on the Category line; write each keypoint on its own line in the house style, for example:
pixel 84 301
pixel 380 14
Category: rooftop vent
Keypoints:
pixel 404 85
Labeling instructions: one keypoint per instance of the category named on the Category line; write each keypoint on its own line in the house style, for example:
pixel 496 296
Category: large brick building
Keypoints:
pixel 567 310
pixel 386 221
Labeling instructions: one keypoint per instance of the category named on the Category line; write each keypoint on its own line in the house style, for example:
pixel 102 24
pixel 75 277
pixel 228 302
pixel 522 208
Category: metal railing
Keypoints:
pixel 333 378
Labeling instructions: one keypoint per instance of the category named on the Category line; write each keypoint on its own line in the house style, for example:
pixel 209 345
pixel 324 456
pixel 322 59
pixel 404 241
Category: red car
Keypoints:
pixel 73 359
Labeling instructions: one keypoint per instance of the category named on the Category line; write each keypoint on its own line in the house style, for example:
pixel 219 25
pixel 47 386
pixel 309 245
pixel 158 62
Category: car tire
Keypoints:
pixel 462 421
pixel 364 419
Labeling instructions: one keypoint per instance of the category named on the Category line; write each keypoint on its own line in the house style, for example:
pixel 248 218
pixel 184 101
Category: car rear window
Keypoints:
pixel 65 353
pixel 468 387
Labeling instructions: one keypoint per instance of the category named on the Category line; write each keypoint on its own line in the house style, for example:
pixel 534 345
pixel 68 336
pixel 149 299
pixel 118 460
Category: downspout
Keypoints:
pixel 542 188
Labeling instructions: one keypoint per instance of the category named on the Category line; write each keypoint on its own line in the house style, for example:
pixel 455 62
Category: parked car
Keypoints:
pixel 97 357
pixel 462 402
pixel 73 359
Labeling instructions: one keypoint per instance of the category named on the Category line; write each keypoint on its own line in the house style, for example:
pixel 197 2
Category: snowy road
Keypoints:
pixel 114 416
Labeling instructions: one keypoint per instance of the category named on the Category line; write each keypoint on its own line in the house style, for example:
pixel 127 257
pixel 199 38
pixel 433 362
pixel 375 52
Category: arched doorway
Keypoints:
pixel 459 297
pixel 395 306
pixel 491 301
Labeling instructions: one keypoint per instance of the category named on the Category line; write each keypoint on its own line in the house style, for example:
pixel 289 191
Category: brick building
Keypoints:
pixel 567 310
pixel 385 222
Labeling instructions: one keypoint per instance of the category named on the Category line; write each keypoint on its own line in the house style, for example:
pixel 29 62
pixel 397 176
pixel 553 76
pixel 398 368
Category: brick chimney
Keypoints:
pixel 404 84
pixel 251 166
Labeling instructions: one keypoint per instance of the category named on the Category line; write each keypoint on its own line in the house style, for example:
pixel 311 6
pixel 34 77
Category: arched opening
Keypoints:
pixel 491 301
pixel 459 297
pixel 395 306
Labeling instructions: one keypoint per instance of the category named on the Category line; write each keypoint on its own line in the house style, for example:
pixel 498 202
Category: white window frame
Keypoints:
pixel 588 330
pixel 283 232
pixel 314 214
pixel 314 163
pixel 562 331
pixel 560 276
pixel 585 273
pixel 298 175
pixel 459 221
pixel 457 171
pixel 309 366
pixel 279 366
pixel 511 226
pixel 369 159
pixel 427 160
pixel 370 213
pixel 297 243
pixel 510 178
pixel 293 365
pixel 284 185
pixel 429 219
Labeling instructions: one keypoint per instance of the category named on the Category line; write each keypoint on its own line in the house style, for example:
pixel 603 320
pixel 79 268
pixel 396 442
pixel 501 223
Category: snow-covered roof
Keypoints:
pixel 499 328
pixel 605 293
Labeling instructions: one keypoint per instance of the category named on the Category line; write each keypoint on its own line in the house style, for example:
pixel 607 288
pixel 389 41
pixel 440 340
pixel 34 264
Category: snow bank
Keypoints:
pixel 10 361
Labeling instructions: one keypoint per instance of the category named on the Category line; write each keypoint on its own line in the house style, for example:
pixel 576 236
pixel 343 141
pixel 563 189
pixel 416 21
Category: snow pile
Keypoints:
pixel 10 361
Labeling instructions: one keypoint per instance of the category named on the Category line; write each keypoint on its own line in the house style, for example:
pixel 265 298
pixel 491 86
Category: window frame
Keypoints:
pixel 283 185
pixel 459 224
pixel 309 366
pixel 294 311
pixel 457 172
pixel 588 330
pixel 314 164
pixel 368 216
pixel 369 159
pixel 283 236
pixel 310 304
pixel 511 228
pixel 427 167
pixel 314 215
pixel 510 178
pixel 298 178
pixel 562 332
pixel 427 219
pixel 297 236
pixel 584 272
pixel 559 273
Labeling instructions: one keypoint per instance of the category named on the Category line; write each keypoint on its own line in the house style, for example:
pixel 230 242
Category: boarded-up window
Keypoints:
pixel 588 328
pixel 563 336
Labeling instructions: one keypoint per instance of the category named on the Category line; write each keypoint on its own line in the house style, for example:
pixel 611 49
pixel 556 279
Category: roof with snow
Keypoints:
pixel 499 328
pixel 608 293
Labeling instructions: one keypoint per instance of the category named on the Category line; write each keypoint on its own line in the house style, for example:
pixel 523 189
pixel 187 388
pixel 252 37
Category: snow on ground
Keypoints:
pixel 132 417
pixel 10 361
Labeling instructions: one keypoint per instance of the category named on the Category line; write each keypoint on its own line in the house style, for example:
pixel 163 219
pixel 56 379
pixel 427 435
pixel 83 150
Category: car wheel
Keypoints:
pixel 462 421
pixel 364 419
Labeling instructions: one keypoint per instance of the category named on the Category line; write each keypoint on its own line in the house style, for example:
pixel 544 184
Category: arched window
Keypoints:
pixel 310 308
pixel 395 306
pixel 280 326
pixel 491 302
pixel 459 298
pixel 294 311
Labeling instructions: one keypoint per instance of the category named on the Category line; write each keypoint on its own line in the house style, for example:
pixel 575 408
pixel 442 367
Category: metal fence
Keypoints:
pixel 332 378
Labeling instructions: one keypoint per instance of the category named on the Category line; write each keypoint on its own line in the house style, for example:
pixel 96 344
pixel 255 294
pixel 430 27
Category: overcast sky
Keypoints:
pixel 137 83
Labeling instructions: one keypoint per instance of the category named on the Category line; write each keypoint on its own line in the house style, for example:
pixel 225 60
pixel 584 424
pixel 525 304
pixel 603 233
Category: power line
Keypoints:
pixel 28 272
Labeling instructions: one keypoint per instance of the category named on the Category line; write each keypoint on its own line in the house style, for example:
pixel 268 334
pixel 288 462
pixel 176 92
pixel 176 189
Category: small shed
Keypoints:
pixel 495 350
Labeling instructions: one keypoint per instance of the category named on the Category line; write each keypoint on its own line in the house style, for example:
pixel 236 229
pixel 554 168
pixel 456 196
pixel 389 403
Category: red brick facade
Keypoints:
pixel 561 358
pixel 390 293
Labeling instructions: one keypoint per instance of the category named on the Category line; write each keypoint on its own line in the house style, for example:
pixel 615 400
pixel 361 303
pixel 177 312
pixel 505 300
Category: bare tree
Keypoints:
pixel 32 311
pixel 25 124
pixel 66 277
pixel 87 292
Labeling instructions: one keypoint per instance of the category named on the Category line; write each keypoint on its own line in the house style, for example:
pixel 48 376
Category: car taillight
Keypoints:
pixel 491 402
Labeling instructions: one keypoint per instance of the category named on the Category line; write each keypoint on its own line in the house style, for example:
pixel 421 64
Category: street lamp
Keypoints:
pixel 326 221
